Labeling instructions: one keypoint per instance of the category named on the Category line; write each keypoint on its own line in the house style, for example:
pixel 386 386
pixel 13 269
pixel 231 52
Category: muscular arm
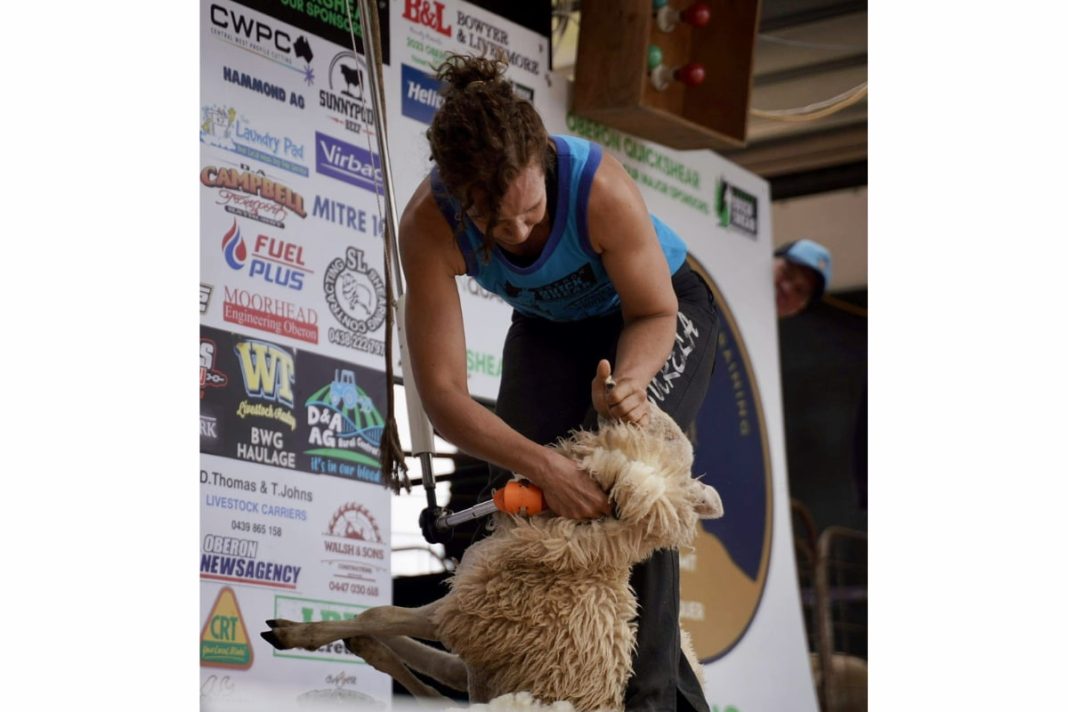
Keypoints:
pixel 622 231
pixel 435 334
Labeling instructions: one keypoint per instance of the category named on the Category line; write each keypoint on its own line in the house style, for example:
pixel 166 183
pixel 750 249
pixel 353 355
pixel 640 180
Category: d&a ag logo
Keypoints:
pixel 273 260
pixel 223 127
pixel 268 373
pixel 344 430
pixel 224 640
pixel 253 195
pixel 210 377
pixel 356 296
pixel 263 38
pixel 428 14
pixel 346 97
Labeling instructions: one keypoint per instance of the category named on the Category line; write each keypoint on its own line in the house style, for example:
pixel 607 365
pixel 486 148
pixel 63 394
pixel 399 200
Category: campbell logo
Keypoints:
pixel 428 14
pixel 253 195
pixel 263 38
pixel 273 260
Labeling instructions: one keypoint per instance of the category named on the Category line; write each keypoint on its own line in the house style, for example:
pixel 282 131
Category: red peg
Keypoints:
pixel 691 74
pixel 697 14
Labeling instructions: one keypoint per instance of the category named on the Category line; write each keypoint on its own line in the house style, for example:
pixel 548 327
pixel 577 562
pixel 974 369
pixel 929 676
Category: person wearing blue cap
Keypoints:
pixel 802 273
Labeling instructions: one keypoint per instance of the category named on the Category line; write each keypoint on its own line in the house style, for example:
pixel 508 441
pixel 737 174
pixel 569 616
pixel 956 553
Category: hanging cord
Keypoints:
pixel 394 467
pixel 817 110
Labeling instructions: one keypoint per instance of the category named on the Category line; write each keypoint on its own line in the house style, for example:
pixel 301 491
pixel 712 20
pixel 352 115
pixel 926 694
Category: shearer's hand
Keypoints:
pixel 625 400
pixel 569 491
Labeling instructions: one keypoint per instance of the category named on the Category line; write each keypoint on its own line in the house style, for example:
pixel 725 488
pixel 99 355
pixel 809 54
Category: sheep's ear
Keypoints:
pixel 708 504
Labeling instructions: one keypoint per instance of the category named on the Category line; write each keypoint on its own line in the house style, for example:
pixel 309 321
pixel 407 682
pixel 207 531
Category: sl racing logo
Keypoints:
pixel 273 260
pixel 356 296
pixel 736 208
pixel 264 39
pixel 344 430
pixel 345 97
pixel 268 374
pixel 223 127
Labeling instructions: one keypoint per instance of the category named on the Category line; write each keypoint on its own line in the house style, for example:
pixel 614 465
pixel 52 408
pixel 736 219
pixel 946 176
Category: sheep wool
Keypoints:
pixel 544 606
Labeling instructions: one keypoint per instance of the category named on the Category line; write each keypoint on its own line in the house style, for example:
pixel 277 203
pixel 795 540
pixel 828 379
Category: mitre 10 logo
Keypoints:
pixel 430 14
pixel 273 260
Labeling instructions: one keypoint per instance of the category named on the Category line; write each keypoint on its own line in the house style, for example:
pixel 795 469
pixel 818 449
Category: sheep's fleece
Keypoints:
pixel 544 605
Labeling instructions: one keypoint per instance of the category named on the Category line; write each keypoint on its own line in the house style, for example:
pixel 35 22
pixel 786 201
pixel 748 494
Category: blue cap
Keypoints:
pixel 809 253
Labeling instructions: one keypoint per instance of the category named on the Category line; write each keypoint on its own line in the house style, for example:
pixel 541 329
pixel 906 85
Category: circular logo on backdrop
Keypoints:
pixel 722 579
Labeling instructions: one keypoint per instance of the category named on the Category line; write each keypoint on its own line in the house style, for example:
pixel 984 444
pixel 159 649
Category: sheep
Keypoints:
pixel 543 605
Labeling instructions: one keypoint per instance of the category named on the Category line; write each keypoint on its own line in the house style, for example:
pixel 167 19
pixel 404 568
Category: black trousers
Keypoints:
pixel 545 392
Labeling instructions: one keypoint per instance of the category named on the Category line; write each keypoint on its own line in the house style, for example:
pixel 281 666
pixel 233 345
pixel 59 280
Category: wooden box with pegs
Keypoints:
pixel 676 72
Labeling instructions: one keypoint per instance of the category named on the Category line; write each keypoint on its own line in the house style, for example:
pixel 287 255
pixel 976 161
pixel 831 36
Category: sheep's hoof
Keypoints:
pixel 271 637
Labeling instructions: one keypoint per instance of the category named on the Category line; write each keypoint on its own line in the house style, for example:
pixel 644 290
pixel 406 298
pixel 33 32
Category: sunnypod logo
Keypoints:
pixel 722 580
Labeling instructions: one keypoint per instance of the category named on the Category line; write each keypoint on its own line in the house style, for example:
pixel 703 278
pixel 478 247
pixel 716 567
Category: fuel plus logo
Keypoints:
pixel 344 429
pixel 263 38
pixel 428 14
pixel 273 260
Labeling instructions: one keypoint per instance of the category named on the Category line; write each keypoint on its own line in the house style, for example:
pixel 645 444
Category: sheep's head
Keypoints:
pixel 646 472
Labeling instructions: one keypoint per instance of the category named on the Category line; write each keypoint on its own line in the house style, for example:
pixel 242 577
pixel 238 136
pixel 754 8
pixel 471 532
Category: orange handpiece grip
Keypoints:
pixel 517 496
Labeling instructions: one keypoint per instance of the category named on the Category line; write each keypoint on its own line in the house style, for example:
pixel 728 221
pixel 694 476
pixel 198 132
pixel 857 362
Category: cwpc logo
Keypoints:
pixel 346 96
pixel 356 296
pixel 428 14
pixel 345 162
pixel 273 260
pixel 344 429
pixel 264 39
pixel 223 127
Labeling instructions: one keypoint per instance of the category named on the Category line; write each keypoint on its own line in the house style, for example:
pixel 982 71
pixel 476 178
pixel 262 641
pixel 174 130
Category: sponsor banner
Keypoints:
pixel 241 31
pixel 327 19
pixel 266 403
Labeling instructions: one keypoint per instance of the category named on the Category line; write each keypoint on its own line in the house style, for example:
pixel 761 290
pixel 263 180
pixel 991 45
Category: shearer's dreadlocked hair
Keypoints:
pixel 483 135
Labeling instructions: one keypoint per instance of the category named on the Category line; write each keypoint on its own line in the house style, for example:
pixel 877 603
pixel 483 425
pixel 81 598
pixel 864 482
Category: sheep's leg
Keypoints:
pixel 446 668
pixel 381 658
pixel 380 621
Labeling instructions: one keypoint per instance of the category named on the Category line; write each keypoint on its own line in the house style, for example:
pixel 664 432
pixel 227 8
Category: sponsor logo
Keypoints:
pixel 273 260
pixel 428 14
pixel 209 427
pixel 344 430
pixel 307 610
pixel 236 560
pixel 205 297
pixel 223 127
pixel 345 97
pixel 347 163
pixel 736 208
pixel 268 374
pixel 356 296
pixel 262 38
pixel 252 195
pixel 328 19
pixel 354 539
pixel 421 94
pixel 224 639
pixel 260 86
pixel 210 377
pixel 276 316
pixel 486 38
pixel 355 219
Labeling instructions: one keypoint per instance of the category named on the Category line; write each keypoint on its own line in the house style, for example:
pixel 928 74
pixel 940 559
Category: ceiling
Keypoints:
pixel 807 51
